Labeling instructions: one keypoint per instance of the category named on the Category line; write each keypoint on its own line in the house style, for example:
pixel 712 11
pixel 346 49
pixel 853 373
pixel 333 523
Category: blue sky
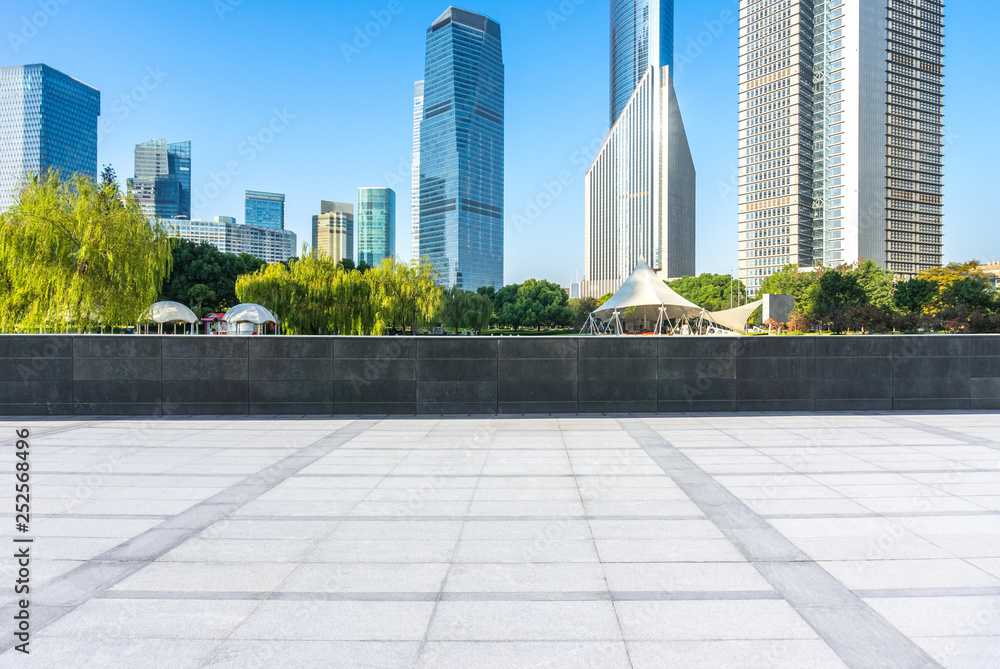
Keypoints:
pixel 328 120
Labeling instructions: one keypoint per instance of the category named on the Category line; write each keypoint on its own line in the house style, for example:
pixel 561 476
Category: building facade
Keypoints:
pixel 841 138
pixel 162 181
pixel 376 221
pixel 268 244
pixel 265 210
pixel 462 151
pixel 48 121
pixel 642 34
pixel 333 231
pixel 641 187
pixel 418 116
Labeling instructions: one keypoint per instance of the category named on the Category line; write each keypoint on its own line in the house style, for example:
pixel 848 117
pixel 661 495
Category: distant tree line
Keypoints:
pixel 865 298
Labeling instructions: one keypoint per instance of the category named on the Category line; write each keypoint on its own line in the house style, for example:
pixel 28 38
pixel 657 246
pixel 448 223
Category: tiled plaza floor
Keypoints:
pixel 751 541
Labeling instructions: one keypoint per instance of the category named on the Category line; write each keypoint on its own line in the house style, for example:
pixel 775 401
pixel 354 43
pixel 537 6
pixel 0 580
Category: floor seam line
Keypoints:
pixel 877 643
pixel 121 569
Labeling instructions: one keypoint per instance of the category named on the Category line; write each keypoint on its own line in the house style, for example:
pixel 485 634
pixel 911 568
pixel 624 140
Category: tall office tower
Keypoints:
pixel 462 151
pixel 640 189
pixel 840 135
pixel 162 182
pixel 265 210
pixel 642 35
pixel 48 121
pixel 418 116
pixel 376 222
pixel 333 231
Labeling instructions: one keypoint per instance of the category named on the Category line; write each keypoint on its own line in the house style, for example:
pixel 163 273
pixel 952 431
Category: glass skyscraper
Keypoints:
pixel 376 220
pixel 162 182
pixel 462 151
pixel 841 139
pixel 265 210
pixel 640 189
pixel 642 34
pixel 48 121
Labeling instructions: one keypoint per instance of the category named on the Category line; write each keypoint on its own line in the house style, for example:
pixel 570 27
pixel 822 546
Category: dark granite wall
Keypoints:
pixel 175 375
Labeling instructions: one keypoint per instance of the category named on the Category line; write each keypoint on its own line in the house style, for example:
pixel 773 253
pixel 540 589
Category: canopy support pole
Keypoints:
pixel 659 323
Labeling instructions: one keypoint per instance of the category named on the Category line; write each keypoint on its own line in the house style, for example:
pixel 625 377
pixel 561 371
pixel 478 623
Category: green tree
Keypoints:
pixel 409 294
pixel 460 309
pixel 582 309
pixel 503 306
pixel 877 283
pixel 199 295
pixel 792 280
pixel 967 294
pixel 838 298
pixel 542 303
pixel 78 253
pixel 201 263
pixel 915 295
pixel 315 295
pixel 714 292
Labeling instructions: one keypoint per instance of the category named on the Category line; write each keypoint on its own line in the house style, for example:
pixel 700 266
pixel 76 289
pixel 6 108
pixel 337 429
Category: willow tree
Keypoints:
pixel 409 294
pixel 316 295
pixel 76 253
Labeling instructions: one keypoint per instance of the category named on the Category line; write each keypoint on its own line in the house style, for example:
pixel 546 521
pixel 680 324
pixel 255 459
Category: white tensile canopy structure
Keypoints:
pixel 736 319
pixel 162 313
pixel 647 299
pixel 253 314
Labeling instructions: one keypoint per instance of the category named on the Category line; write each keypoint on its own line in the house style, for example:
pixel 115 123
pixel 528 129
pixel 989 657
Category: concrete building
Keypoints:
pixel 333 231
pixel 462 151
pixel 265 210
pixel 840 135
pixel 224 234
pixel 641 187
pixel 418 116
pixel 48 121
pixel 162 181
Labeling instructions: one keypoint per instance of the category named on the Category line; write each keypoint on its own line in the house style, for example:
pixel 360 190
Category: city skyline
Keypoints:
pixel 543 237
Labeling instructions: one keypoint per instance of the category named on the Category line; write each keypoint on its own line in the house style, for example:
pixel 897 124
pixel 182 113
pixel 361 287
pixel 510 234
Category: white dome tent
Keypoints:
pixel 162 313
pixel 243 315
pixel 645 298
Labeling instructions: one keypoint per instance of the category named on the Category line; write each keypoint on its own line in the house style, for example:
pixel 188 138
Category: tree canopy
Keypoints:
pixel 204 278
pixel 74 253
pixel 713 292
pixel 316 295
pixel 533 304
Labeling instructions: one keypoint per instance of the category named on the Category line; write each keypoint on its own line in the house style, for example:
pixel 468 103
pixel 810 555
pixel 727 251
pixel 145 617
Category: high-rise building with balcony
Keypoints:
pixel 640 188
pixel 162 181
pixel 48 121
pixel 462 151
pixel 225 234
pixel 376 222
pixel 840 135
pixel 418 117
pixel 265 210
pixel 333 231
